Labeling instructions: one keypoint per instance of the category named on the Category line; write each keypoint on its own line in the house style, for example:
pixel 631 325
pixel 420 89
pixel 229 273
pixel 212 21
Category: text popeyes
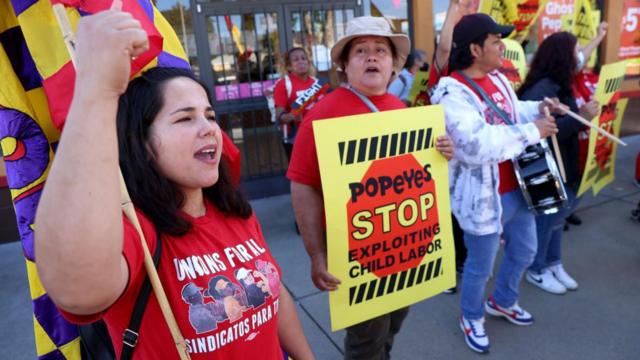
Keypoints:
pixel 408 211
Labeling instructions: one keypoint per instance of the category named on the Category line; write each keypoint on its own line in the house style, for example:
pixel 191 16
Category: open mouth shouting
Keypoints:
pixel 372 70
pixel 207 154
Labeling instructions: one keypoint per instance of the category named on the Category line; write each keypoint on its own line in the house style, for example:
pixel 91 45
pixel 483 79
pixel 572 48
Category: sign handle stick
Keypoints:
pixel 556 150
pixel 587 123
pixel 129 211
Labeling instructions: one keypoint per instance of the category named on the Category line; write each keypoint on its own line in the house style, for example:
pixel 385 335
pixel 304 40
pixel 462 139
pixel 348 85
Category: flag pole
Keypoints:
pixel 129 211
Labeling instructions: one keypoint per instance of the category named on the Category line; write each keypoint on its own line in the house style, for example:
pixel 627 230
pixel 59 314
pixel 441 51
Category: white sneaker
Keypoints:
pixel 514 314
pixel 474 334
pixel 546 281
pixel 562 276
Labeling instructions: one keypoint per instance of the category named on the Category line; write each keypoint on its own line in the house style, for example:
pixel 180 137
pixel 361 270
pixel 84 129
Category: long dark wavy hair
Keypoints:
pixel 151 192
pixel 555 59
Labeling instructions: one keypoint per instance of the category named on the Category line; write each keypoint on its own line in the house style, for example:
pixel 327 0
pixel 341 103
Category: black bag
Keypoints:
pixel 95 342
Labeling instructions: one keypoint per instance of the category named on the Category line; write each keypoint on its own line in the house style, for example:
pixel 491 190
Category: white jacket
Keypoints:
pixel 479 148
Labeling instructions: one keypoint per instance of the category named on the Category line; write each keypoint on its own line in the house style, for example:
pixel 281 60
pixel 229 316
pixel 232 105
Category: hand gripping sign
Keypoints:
pixel 386 199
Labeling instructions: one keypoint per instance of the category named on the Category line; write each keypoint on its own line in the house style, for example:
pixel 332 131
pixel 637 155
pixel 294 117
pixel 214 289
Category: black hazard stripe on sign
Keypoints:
pixel 611 85
pixel 511 55
pixel 384 146
pixel 395 282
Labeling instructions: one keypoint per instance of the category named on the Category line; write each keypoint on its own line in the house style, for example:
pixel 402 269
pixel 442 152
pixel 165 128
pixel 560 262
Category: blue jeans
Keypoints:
pixel 549 229
pixel 520 248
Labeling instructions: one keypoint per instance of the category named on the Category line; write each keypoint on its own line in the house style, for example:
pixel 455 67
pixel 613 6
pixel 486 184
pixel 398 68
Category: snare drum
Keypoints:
pixel 539 179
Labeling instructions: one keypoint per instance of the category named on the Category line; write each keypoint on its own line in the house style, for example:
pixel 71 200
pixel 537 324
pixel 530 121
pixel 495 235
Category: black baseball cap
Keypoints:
pixel 471 27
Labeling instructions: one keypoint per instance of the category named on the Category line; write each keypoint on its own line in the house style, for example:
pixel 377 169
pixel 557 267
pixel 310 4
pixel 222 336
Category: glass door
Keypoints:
pixel 316 27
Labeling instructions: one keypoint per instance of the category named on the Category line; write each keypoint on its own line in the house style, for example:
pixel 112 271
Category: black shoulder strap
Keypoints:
pixel 130 335
pixel 487 100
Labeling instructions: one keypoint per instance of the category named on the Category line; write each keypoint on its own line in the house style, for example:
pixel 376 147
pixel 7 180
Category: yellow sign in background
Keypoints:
pixel 514 63
pixel 386 199
pixel 599 169
pixel 419 93
pixel 520 13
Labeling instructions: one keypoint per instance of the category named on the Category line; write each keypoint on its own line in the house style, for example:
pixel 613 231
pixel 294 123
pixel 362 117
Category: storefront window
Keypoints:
pixel 178 15
pixel 244 54
pixel 396 11
pixel 317 31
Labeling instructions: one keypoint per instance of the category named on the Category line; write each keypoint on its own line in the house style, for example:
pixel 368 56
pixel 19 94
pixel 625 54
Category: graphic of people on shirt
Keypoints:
pixel 255 285
pixel 203 317
pixel 269 270
pixel 502 104
pixel 231 295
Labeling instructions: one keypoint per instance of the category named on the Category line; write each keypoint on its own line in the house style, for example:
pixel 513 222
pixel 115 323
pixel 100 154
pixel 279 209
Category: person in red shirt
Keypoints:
pixel 367 55
pixel 440 63
pixel 162 131
pixel 294 94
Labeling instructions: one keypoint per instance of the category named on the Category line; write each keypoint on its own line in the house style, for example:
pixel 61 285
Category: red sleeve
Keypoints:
pixel 434 75
pixel 231 152
pixel 280 94
pixel 303 167
pixel 134 256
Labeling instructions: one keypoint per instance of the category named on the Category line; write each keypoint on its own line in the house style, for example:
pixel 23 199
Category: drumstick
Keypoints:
pixel 556 150
pixel 587 122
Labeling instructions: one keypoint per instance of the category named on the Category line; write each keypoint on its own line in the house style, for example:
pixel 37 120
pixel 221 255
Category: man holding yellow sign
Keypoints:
pixel 367 56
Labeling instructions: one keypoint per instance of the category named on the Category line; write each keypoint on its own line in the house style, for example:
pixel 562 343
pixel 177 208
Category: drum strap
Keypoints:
pixel 505 117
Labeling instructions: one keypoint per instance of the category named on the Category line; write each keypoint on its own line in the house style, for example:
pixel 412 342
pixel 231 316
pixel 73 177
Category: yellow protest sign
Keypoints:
pixel 610 119
pixel 419 93
pixel 502 11
pixel 583 27
pixel 520 13
pixel 567 22
pixel 386 196
pixel 514 63
pixel 527 11
pixel 599 167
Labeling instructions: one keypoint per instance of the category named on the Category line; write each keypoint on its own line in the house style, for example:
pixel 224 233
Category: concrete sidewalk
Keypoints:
pixel 599 321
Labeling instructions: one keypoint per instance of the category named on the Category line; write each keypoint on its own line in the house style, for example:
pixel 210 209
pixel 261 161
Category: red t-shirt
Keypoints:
pixel 220 316
pixel 435 75
pixel 297 97
pixel 508 180
pixel 303 167
pixel 584 86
